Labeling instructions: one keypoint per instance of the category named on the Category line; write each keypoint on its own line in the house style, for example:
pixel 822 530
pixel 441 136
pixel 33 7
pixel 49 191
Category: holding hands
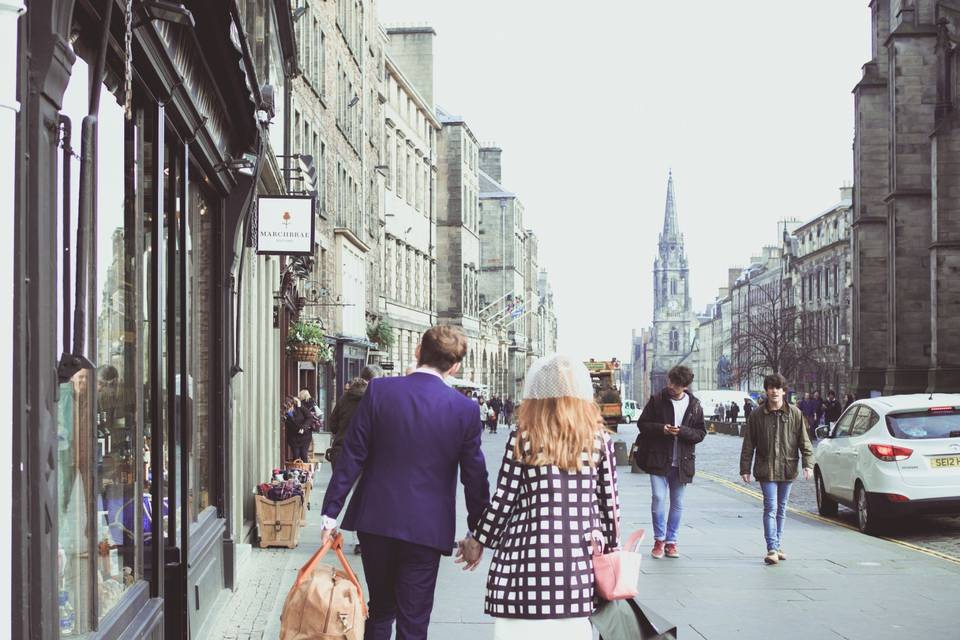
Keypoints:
pixel 469 553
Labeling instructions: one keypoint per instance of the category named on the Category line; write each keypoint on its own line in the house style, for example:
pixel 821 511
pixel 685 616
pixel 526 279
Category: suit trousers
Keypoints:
pixel 401 577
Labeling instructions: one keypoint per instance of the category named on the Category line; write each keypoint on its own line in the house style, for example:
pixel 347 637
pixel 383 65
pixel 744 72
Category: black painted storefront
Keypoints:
pixel 124 334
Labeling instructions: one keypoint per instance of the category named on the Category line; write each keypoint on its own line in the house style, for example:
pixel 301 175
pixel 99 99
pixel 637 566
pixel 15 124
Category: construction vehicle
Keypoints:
pixel 607 381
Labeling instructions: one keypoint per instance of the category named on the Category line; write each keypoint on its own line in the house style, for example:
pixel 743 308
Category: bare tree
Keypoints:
pixel 766 332
pixel 771 334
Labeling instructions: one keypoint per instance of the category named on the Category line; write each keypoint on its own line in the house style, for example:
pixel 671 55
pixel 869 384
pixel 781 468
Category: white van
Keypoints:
pixel 710 398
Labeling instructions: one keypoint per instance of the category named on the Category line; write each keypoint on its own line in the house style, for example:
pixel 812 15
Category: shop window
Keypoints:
pixel 100 450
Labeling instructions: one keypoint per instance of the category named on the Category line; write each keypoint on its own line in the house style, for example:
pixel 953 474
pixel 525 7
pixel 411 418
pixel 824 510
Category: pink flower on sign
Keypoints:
pixel 286 218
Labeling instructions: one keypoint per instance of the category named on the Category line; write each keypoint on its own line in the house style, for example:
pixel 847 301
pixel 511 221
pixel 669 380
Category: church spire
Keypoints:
pixel 671 228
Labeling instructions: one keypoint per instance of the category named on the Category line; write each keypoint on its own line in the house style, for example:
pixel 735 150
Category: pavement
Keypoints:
pixel 837 582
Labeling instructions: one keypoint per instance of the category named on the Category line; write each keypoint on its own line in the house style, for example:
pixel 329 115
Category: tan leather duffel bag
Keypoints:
pixel 324 602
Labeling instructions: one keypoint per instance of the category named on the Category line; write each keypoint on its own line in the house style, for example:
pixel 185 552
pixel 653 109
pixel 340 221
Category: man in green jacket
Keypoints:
pixel 774 440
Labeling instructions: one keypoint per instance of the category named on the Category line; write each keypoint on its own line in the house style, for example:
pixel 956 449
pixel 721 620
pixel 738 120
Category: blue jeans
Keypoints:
pixel 775 495
pixel 665 528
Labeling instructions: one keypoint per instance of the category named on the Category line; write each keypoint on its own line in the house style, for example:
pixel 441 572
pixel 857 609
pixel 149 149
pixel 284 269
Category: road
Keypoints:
pixel 719 456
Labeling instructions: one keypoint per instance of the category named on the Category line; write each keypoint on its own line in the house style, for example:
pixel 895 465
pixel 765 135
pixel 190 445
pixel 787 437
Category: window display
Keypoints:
pixel 99 442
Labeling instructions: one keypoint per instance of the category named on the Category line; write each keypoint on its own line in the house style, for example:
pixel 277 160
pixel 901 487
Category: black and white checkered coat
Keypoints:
pixel 539 522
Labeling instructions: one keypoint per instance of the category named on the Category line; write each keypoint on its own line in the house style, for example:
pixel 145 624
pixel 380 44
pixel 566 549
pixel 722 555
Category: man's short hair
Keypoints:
pixel 370 372
pixel 442 346
pixel 774 381
pixel 681 376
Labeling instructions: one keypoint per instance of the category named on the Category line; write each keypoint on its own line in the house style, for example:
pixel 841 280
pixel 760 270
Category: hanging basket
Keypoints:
pixel 305 352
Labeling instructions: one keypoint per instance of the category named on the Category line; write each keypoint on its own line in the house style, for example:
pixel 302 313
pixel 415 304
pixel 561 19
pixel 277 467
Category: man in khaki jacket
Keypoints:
pixel 774 440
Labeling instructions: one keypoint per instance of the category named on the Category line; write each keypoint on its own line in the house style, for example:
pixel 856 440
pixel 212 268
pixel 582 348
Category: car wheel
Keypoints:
pixel 866 518
pixel 826 505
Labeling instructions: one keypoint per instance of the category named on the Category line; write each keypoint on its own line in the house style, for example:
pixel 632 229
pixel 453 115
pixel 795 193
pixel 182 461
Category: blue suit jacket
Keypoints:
pixel 405 443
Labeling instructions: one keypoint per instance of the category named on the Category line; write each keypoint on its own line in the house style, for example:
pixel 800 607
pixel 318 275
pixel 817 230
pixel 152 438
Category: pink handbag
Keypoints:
pixel 616 574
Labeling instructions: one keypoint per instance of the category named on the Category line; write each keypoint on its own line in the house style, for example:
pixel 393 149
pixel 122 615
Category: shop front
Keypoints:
pixel 134 178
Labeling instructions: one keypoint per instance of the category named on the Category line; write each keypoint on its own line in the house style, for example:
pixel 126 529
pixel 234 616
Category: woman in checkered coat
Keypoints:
pixel 554 492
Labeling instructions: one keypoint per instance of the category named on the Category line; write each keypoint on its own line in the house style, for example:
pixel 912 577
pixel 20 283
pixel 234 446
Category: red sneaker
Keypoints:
pixel 671 550
pixel 657 551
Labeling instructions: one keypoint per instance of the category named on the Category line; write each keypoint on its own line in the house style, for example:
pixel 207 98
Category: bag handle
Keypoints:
pixel 334 542
pixel 613 494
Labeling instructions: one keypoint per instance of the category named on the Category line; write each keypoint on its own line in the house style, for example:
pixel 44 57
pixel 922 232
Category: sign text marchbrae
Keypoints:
pixel 285 225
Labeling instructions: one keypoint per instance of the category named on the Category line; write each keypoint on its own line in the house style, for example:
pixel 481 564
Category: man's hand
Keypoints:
pixel 746 477
pixel 329 529
pixel 671 429
pixel 807 473
pixel 469 553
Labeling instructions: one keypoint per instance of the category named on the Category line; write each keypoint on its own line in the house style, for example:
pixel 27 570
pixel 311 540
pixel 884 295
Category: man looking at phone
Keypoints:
pixel 670 427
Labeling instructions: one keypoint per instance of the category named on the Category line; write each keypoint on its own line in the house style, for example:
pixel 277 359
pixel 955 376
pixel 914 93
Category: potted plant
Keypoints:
pixel 307 342
pixel 380 333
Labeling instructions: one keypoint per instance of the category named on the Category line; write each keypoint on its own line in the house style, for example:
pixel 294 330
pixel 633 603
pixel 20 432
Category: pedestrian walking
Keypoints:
pixel 297 424
pixel 747 408
pixel 817 411
pixel 831 409
pixel 848 399
pixel 670 425
pixel 718 412
pixel 774 437
pixel 497 405
pixel 734 411
pixel 409 439
pixel 555 493
pixel 508 411
pixel 310 407
pixel 346 406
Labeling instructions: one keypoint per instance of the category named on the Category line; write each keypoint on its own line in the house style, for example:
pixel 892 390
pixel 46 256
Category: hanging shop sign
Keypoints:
pixel 285 225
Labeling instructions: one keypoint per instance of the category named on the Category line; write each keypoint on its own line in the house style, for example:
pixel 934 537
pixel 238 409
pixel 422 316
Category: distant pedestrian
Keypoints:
pixel 747 408
pixel 343 411
pixel 556 493
pixel 718 412
pixel 848 399
pixel 734 411
pixel 831 408
pixel 773 440
pixel 670 427
pixel 508 411
pixel 818 410
pixel 807 407
pixel 297 424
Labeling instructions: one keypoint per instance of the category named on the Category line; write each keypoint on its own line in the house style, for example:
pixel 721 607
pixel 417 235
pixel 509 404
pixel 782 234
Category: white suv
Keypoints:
pixel 889 456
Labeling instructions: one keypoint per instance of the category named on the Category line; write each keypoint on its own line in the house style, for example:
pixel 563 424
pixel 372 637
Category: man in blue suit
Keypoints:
pixel 406 442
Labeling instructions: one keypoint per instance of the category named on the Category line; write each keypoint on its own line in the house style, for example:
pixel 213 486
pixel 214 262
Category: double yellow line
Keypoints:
pixel 813 516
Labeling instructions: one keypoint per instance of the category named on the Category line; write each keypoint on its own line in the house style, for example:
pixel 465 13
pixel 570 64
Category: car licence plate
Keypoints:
pixel 945 462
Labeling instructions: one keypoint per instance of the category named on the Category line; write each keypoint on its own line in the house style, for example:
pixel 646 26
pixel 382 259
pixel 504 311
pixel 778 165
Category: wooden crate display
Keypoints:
pixel 278 522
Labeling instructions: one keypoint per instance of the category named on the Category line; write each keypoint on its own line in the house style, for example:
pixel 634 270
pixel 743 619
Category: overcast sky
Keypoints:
pixel 749 102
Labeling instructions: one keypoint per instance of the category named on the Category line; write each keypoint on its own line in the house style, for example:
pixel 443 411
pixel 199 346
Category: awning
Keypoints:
pixel 461 383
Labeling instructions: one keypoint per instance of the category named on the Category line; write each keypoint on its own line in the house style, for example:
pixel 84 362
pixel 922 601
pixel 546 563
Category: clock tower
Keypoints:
pixel 672 313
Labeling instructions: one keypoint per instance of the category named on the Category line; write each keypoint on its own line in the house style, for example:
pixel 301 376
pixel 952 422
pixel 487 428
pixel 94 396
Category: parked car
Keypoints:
pixel 630 411
pixel 891 456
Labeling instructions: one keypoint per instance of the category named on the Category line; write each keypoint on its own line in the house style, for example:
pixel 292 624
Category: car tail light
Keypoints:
pixel 940 409
pixel 889 452
pixel 896 497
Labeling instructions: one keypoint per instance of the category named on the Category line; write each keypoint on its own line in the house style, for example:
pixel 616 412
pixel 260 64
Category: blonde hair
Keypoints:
pixel 557 431
pixel 304 395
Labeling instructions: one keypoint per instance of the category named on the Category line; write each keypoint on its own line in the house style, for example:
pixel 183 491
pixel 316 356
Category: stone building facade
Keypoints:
pixel 411 135
pixel 817 259
pixel 906 227
pixel 458 239
pixel 335 116
pixel 502 279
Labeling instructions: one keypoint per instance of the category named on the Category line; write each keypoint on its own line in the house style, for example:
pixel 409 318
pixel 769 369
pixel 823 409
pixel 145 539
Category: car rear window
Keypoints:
pixel 924 425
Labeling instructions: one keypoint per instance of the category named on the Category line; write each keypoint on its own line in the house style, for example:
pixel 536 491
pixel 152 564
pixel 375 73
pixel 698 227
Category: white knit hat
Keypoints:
pixel 558 376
